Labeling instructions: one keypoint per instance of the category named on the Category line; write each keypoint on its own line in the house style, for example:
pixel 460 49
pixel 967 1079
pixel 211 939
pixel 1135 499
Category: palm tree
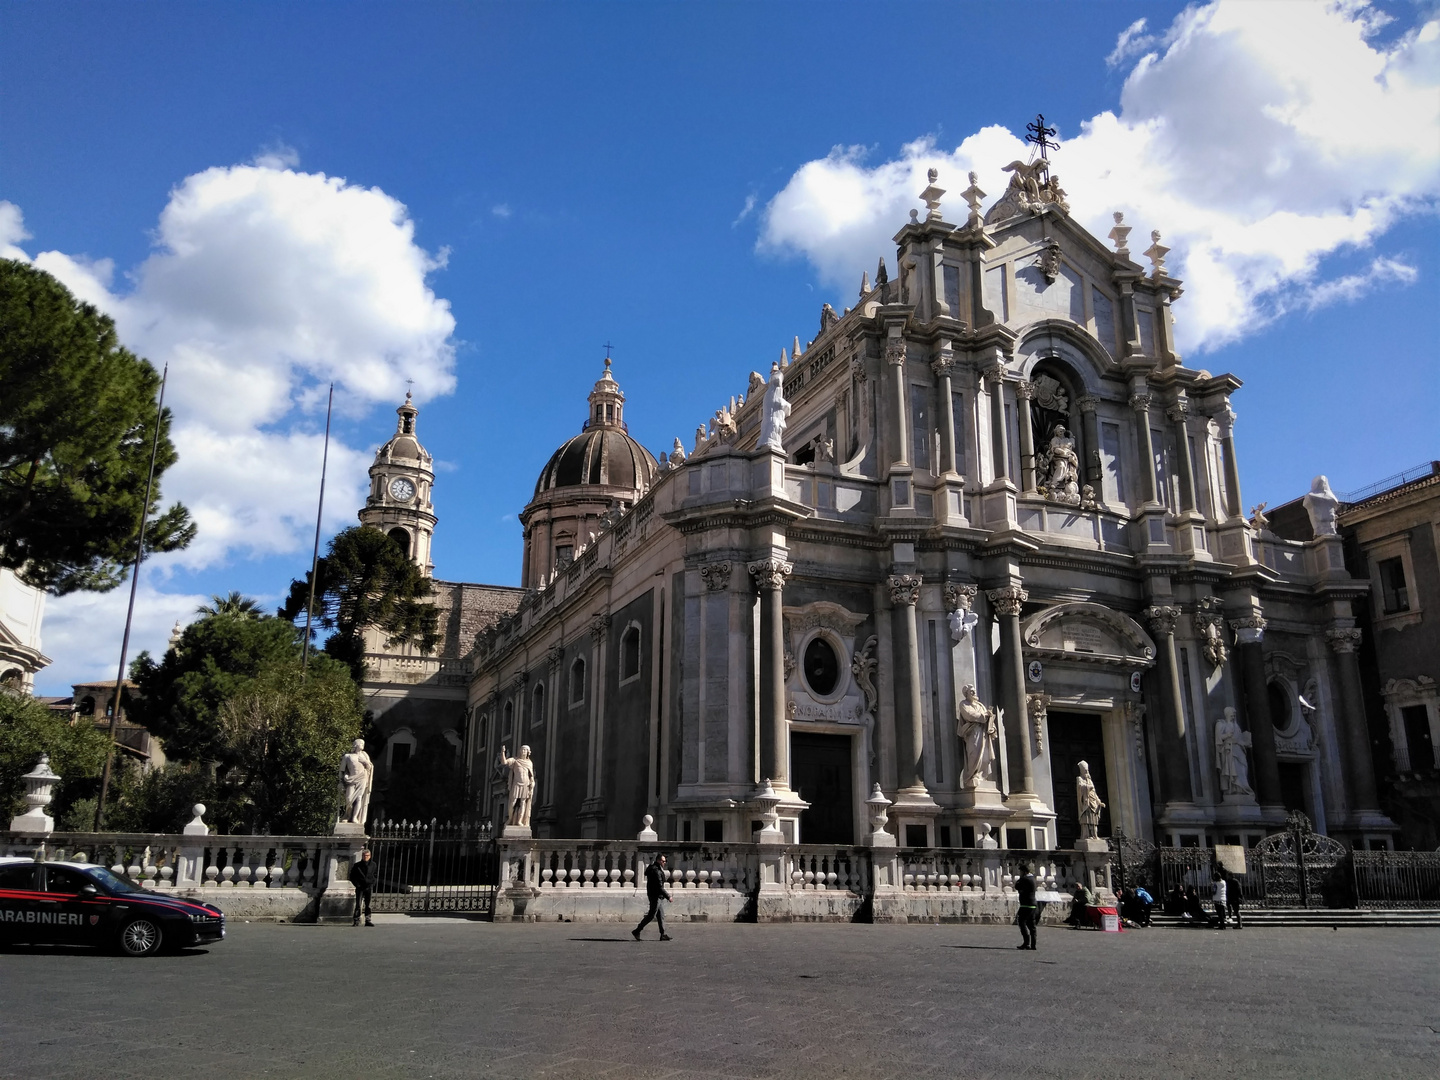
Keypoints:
pixel 234 604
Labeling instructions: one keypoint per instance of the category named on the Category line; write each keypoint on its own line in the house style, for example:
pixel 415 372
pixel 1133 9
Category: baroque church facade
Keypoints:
pixel 985 526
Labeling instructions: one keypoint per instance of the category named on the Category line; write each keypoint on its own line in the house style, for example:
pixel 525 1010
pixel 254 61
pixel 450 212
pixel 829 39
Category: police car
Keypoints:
pixel 65 903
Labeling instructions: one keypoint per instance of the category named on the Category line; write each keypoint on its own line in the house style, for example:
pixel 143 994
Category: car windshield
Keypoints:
pixel 110 881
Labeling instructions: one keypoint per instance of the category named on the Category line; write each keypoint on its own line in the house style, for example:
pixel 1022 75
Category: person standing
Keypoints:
pixel 1232 899
pixel 362 876
pixel 1029 915
pixel 1221 904
pixel 658 896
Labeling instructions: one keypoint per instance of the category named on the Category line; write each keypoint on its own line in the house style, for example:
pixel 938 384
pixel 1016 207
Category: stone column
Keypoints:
pixel 895 357
pixel 942 366
pixel 1024 392
pixel 770 575
pixel 1359 767
pixel 904 595
pixel 1007 603
pixel 592 810
pixel 995 382
pixel 1090 425
pixel 1174 749
pixel 1178 413
pixel 1226 419
pixel 1141 404
pixel 1249 633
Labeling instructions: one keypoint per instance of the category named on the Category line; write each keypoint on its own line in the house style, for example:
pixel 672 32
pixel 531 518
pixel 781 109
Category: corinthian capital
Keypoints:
pixel 905 589
pixel 1249 630
pixel 1141 402
pixel 895 352
pixel 1087 402
pixel 1007 601
pixel 1162 618
pixel 943 364
pixel 960 597
pixel 1344 639
pixel 1178 411
pixel 599 624
pixel 716 576
pixel 770 573
pixel 1025 390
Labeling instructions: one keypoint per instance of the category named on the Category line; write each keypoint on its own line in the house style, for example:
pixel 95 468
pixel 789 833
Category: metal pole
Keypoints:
pixel 130 611
pixel 319 513
pixel 430 863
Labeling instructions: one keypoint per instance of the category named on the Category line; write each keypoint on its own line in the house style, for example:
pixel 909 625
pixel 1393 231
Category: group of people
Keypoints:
pixel 1185 903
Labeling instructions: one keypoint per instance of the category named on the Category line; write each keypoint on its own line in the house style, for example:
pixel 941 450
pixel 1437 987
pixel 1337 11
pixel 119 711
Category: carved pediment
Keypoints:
pixel 1087 632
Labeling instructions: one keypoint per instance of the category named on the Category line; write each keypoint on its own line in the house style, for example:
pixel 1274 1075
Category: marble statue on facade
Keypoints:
pixel 1321 504
pixel 775 411
pixel 962 620
pixel 1230 762
pixel 978 730
pixel 1087 802
pixel 522 786
pixel 1063 467
pixel 357 776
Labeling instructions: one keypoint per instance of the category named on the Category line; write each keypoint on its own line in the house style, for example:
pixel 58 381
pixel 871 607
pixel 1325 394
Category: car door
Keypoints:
pixel 81 907
pixel 19 901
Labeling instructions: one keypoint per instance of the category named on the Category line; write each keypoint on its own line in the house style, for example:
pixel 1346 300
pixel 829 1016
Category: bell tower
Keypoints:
pixel 400 483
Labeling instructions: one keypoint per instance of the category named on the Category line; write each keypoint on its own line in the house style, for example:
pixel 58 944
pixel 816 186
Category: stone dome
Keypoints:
pixel 606 456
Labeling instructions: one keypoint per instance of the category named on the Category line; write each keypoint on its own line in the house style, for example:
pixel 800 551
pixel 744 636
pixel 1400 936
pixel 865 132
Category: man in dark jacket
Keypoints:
pixel 658 895
pixel 362 876
pixel 1028 916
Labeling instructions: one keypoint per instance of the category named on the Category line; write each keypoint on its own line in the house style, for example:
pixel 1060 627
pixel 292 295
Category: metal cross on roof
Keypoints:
pixel 1040 135
pixel 607 354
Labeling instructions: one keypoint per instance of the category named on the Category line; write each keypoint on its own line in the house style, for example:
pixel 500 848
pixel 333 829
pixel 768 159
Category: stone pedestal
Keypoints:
pixel 349 829
pixel 515 832
pixel 1091 843
pixel 914 806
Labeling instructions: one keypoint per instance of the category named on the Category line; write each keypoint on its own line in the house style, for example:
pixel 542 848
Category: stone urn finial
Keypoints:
pixel 197 827
pixel 879 815
pixel 39 783
pixel 647 833
pixel 768 802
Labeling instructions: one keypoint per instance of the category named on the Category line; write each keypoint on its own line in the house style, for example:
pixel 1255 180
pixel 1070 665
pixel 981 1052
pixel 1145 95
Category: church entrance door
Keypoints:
pixel 1076 737
pixel 820 773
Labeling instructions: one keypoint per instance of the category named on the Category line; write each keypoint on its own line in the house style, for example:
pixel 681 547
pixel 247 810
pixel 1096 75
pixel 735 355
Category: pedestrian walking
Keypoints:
pixel 1232 899
pixel 1221 905
pixel 1029 915
pixel 362 876
pixel 658 896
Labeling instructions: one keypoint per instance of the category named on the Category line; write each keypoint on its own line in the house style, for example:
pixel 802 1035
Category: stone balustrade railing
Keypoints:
pixel 289 877
pixel 604 880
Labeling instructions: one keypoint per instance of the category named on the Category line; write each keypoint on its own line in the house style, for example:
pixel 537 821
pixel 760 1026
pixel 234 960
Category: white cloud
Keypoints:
pixel 12 231
pixel 1263 138
pixel 501 210
pixel 278 155
pixel 1133 41
pixel 746 210
pixel 264 285
pixel 1353 286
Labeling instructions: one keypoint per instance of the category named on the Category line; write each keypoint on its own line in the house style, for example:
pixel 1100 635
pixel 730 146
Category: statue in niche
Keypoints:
pixel 775 412
pixel 979 731
pixel 1230 762
pixel 357 777
pixel 522 786
pixel 1213 645
pixel 1321 504
pixel 1062 465
pixel 1087 801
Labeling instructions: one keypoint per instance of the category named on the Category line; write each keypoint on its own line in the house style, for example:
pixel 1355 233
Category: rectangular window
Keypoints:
pixel 957 408
pixel 1417 737
pixel 922 439
pixel 1393 591
pixel 1104 319
pixel 714 831
pixel 564 555
pixel 1112 480
pixel 1146 319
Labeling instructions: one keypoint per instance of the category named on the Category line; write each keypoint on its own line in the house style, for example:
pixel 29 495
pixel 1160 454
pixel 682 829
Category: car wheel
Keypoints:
pixel 140 937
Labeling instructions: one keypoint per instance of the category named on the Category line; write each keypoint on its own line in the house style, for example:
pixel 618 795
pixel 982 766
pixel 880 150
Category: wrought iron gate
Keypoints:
pixel 422 867
pixel 1301 868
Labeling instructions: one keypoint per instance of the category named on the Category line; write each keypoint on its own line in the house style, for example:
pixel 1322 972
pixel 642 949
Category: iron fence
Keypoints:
pixel 1396 879
pixel 425 867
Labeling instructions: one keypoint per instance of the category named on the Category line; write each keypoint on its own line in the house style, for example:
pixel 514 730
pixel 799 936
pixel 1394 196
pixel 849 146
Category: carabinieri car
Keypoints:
pixel 66 903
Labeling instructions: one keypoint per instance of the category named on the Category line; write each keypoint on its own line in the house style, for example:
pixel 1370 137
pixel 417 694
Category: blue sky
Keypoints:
pixel 512 186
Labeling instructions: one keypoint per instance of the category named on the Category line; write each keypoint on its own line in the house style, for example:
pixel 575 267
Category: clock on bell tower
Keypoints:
pixel 400 483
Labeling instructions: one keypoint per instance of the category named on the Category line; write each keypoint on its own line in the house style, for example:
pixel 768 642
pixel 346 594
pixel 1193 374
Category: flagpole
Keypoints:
pixel 130 611
pixel 319 513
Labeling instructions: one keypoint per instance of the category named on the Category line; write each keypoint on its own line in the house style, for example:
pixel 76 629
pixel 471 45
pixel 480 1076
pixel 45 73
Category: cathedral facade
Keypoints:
pixel 986 526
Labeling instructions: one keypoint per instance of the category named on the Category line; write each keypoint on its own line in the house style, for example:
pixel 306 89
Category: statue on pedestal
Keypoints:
pixel 1062 480
pixel 1230 763
pixel 522 786
pixel 357 776
pixel 774 411
pixel 977 729
pixel 1088 802
pixel 1321 504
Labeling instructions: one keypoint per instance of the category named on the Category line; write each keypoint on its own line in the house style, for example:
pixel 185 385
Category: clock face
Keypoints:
pixel 401 489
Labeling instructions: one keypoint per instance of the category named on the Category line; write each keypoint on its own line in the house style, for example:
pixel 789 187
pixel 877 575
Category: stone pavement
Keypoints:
pixel 452 998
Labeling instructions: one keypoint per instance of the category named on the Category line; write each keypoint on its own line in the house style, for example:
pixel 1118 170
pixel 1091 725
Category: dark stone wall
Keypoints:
pixel 626 756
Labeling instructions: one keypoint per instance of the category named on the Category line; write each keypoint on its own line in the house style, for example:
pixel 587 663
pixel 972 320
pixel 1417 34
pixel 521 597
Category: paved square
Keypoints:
pixel 451 998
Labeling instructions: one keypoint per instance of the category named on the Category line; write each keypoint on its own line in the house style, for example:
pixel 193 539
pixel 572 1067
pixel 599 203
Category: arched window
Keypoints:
pixel 400 748
pixel 509 727
pixel 537 705
pixel 630 653
pixel 401 537
pixel 577 681
pixel 87 706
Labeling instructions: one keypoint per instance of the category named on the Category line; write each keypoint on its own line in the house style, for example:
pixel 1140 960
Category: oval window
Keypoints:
pixel 822 667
